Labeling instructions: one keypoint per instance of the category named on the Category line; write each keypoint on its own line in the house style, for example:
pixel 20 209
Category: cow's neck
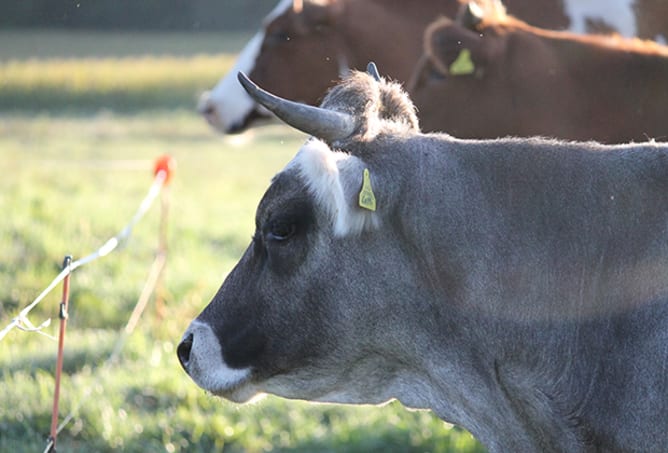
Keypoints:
pixel 506 406
pixel 507 323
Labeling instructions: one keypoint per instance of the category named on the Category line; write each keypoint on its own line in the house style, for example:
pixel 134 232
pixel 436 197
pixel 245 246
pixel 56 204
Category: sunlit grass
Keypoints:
pixel 132 72
pixel 108 74
pixel 114 83
pixel 73 182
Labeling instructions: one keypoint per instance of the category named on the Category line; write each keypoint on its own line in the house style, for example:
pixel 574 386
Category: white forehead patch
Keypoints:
pixel 231 101
pixel 334 179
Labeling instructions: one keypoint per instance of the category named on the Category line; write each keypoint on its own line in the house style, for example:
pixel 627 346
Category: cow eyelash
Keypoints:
pixel 281 231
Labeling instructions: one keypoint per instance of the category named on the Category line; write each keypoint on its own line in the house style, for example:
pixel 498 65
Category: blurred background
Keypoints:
pixel 119 56
pixel 168 15
pixel 90 94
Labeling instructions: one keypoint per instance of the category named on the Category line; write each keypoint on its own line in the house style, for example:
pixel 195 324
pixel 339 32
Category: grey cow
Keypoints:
pixel 515 287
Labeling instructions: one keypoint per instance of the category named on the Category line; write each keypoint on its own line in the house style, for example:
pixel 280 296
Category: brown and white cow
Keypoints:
pixel 651 20
pixel 494 75
pixel 647 19
pixel 301 51
pixel 516 287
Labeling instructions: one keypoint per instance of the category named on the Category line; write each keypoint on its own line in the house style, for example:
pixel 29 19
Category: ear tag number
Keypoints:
pixel 463 65
pixel 367 199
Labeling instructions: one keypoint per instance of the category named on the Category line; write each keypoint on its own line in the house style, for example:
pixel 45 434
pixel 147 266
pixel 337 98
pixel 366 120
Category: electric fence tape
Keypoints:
pixel 21 320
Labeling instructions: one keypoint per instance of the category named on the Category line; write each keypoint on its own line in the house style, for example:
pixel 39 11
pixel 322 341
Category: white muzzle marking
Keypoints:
pixel 228 105
pixel 206 365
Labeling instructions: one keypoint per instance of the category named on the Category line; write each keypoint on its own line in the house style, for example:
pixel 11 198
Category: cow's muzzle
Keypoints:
pixel 200 355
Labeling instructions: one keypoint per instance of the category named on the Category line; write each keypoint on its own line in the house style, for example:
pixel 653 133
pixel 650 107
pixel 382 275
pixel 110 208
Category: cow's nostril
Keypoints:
pixel 183 351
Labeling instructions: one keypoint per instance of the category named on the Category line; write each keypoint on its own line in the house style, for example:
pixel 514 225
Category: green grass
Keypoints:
pixel 120 84
pixel 77 71
pixel 72 178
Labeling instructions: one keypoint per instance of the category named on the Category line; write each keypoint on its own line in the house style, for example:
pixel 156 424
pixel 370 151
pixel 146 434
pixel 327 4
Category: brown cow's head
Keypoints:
pixel 298 37
pixel 460 84
pixel 492 76
pixel 485 76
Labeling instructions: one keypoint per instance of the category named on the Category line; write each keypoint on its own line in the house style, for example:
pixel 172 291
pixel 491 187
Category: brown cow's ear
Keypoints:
pixel 455 50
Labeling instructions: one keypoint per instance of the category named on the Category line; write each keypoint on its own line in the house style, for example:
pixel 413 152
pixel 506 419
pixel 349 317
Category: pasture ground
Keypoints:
pixel 82 117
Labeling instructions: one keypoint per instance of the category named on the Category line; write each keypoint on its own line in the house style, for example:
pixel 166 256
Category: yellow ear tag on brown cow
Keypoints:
pixel 463 65
pixel 367 198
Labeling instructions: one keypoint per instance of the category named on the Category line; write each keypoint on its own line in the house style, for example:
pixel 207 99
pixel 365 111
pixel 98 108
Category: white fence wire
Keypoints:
pixel 22 322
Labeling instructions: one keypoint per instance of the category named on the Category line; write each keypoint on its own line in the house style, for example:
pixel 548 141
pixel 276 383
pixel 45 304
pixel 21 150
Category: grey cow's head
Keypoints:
pixel 313 310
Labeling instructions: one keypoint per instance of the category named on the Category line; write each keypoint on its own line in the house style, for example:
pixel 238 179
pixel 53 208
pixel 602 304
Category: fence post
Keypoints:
pixel 63 313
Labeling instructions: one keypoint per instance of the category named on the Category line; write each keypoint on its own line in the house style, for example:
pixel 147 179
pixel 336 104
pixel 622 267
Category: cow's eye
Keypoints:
pixel 280 231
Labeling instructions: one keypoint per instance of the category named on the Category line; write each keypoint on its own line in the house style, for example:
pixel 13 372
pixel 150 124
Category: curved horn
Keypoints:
pixel 328 125
pixel 372 70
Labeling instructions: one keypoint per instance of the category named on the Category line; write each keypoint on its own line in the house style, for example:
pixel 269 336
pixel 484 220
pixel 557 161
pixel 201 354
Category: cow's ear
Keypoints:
pixel 454 50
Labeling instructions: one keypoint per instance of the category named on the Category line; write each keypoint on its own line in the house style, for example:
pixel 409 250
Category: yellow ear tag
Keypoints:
pixel 463 65
pixel 367 198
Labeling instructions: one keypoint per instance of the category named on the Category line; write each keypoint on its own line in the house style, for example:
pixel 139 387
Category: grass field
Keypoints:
pixel 78 137
pixel 62 72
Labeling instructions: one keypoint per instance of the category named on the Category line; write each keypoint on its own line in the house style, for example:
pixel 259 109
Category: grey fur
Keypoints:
pixel 516 287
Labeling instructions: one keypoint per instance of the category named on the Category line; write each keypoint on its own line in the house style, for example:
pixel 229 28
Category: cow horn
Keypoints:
pixel 328 125
pixel 372 70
